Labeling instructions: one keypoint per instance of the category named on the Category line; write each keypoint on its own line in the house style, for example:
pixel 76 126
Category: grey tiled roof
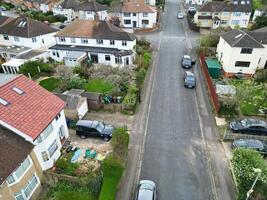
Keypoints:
pixel 252 39
pixel 86 5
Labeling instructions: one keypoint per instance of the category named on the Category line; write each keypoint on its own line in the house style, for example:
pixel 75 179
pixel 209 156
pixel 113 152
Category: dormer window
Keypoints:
pixel 235 2
pixel 3 102
pixel 17 90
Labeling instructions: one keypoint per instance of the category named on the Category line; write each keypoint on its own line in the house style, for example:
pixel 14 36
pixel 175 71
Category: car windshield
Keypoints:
pixel 244 122
pixel 100 127
pixel 146 186
pixel 190 78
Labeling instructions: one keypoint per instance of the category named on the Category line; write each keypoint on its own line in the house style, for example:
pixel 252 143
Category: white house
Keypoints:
pixel 102 42
pixel 243 52
pixel 214 14
pixel 34 114
pixel 135 15
pixel 81 9
pixel 26 32
pixel 259 12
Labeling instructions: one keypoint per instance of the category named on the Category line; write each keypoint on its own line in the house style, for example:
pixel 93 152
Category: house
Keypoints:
pixel 135 14
pixel 102 42
pixel 26 32
pixel 259 12
pixel 243 52
pixel 196 2
pixel 76 105
pixel 214 14
pixel 20 172
pixel 81 9
pixel 150 2
pixel 42 5
pixel 35 115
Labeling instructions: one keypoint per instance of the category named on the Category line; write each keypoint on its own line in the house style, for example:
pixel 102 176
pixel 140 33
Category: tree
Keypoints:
pixel 34 68
pixel 64 73
pixel 115 21
pixel 260 22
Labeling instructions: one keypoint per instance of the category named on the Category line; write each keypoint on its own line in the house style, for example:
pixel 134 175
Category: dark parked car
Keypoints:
pixel 252 126
pixel 146 190
pixel 189 79
pixel 87 128
pixel 187 62
pixel 251 144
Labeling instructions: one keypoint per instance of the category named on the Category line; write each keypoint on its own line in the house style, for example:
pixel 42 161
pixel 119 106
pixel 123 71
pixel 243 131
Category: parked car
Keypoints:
pixel 180 15
pixel 146 190
pixel 192 8
pixel 187 62
pixel 251 144
pixel 87 128
pixel 252 126
pixel 189 79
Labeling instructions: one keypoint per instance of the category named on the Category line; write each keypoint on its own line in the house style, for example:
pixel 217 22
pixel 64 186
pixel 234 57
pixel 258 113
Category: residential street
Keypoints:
pixel 182 153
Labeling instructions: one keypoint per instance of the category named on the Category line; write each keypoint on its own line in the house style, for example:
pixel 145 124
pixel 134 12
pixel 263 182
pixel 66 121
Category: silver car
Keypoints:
pixel 180 16
pixel 146 190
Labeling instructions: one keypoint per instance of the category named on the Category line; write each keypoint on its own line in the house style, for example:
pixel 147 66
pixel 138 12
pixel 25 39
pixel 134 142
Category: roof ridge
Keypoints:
pixel 239 38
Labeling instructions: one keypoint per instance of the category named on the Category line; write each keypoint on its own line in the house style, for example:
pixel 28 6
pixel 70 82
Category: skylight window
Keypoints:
pixel 238 35
pixel 17 90
pixel 22 24
pixel 3 102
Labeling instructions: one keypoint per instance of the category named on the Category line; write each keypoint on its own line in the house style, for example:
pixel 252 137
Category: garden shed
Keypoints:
pixel 214 67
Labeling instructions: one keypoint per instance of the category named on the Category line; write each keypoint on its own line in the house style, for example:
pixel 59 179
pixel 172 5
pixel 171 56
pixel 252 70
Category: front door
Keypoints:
pixel 134 24
pixel 94 58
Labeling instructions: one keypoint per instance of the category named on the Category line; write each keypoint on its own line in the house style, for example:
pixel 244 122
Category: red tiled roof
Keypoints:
pixel 32 111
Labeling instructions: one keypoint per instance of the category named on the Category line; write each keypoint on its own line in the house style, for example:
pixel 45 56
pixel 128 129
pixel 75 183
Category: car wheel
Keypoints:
pixel 83 137
pixel 106 139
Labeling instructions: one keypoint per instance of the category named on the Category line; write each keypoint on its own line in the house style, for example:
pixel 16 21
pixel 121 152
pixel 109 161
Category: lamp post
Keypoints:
pixel 257 170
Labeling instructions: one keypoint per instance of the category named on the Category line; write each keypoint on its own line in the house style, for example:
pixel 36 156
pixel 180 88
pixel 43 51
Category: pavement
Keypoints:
pixel 174 140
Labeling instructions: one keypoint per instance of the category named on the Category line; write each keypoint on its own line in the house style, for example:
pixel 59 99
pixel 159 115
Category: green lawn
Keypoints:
pixel 98 85
pixel 254 96
pixel 50 83
pixel 112 170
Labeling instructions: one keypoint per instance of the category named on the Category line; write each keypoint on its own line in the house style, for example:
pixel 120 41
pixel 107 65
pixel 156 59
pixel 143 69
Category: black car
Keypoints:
pixel 252 126
pixel 87 128
pixel 251 144
pixel 189 79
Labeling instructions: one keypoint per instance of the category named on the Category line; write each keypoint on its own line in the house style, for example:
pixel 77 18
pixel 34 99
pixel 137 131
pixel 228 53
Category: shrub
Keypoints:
pixel 260 21
pixel 130 99
pixel 81 71
pixel 104 1
pixel 112 172
pixel 146 59
pixel 228 109
pixel 65 166
pixel 31 67
pixel 120 142
pixel 244 160
pixel 75 83
pixel 140 77
pixel 261 75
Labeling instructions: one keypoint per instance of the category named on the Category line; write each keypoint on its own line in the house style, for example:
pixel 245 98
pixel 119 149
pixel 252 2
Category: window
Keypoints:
pixel 127 21
pixel 246 50
pixel 224 22
pixel 145 22
pixel 134 14
pixel 127 14
pixel 47 131
pixel 89 12
pixel 17 90
pixel 107 57
pixel 203 13
pixel 84 41
pixel 23 167
pixel 242 64
pixel 124 43
pixel 216 13
pixel 58 116
pixel 247 13
pixel 245 21
pixel 112 42
pixel 5 37
pixel 62 39
pixel 10 179
pixel 235 2
pixel 237 13
pixel 53 53
pixel 61 130
pixel 145 14
pixel 235 22
pixel 118 60
pixel 52 149
pixel 225 13
pixel 34 39
pixel 30 187
pixel 72 40
pixel 99 41
pixel 45 156
pixel 3 102
pixel 19 196
pixel 16 39
pixel 259 61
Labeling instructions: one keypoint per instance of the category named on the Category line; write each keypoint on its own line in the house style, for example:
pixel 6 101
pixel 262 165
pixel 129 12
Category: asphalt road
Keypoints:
pixel 174 153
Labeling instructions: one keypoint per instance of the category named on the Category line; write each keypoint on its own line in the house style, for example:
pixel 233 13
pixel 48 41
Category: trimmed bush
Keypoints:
pixel 76 83
pixel 31 68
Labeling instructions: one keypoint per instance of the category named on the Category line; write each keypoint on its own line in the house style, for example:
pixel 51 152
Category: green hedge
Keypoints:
pixel 31 67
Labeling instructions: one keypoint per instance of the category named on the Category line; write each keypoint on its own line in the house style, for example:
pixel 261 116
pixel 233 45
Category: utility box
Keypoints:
pixel 214 67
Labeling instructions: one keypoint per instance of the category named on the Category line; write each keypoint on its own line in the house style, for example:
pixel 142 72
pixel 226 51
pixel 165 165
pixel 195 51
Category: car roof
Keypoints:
pixel 87 123
pixel 249 143
pixel 146 188
pixel 145 195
